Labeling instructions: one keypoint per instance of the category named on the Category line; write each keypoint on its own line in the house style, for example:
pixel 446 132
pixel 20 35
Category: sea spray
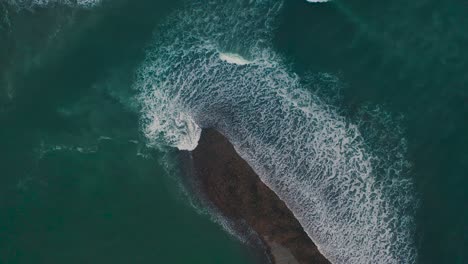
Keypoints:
pixel 314 158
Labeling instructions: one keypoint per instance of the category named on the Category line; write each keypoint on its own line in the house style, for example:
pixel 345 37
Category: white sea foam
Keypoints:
pixel 318 1
pixel 301 147
pixel 233 58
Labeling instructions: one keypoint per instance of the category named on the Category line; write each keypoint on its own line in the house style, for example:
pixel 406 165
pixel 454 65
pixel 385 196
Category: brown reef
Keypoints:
pixel 230 185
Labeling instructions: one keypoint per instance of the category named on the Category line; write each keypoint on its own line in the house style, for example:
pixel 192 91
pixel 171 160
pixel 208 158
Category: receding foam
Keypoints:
pixel 313 158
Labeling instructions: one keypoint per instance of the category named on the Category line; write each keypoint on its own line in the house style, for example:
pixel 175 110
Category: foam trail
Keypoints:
pixel 311 156
pixel 44 3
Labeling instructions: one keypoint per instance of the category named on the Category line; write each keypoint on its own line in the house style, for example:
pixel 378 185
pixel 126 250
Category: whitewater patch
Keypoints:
pixel 354 204
pixel 175 128
pixel 233 58
pixel 318 1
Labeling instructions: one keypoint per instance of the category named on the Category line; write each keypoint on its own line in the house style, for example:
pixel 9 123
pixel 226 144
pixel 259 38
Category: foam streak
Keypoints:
pixel 311 156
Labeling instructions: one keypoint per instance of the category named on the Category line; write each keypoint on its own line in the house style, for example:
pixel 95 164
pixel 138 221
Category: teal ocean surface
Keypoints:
pixel 354 112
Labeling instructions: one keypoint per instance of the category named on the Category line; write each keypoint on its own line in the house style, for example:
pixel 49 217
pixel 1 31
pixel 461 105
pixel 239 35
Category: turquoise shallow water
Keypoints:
pixel 79 185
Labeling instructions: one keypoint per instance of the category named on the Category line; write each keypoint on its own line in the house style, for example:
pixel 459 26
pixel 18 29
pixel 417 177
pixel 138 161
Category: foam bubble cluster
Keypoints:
pixel 301 147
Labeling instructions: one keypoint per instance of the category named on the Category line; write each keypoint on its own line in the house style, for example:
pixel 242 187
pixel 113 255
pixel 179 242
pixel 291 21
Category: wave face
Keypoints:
pixel 300 146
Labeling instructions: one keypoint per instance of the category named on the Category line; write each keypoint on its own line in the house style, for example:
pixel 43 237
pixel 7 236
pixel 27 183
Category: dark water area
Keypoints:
pixel 410 57
pixel 79 185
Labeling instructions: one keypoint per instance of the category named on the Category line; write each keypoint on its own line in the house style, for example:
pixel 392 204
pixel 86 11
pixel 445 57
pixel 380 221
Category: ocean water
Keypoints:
pixel 354 112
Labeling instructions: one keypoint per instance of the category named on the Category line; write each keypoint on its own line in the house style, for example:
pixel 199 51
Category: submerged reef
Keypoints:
pixel 230 184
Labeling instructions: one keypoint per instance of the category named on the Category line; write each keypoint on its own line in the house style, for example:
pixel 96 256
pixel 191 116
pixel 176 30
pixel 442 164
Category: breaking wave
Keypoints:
pixel 316 160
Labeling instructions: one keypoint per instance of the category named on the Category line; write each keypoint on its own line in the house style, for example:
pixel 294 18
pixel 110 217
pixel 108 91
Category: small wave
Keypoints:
pixel 310 155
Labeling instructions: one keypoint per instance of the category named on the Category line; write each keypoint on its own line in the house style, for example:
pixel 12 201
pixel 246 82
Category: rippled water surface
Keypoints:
pixel 354 113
